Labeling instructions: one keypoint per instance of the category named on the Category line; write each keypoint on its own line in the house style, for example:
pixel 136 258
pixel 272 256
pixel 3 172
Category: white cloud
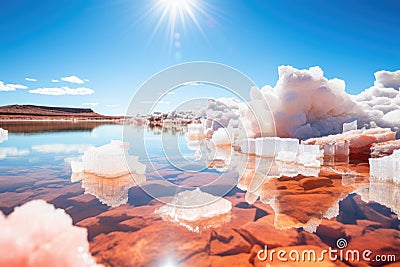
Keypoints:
pixel 64 90
pixel 73 79
pixel 55 81
pixel 30 79
pixel 11 87
pixel 92 104
pixel 86 80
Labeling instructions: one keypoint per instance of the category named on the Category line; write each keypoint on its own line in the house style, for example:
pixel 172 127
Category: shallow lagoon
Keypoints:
pixel 283 213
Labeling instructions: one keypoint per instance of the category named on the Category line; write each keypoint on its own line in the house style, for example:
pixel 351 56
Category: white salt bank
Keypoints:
pixel 193 205
pixel 36 234
pixel 109 161
pixel 3 135
pixel 358 140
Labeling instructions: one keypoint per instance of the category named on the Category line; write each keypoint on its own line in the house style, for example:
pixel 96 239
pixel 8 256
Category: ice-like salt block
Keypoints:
pixel 221 137
pixel 109 161
pixel 308 160
pixel 309 171
pixel 3 135
pixel 287 169
pixel 267 146
pixel 329 149
pixel 342 147
pixel 286 156
pixel 384 148
pixel 288 145
pixel 386 168
pixel 351 126
pixel 248 146
pixel 314 150
pixel 77 166
pixel 359 140
pixel 193 205
pixel 196 131
pixel 36 234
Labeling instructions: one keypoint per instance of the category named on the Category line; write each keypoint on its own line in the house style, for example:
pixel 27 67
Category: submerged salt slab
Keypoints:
pixel 386 168
pixel 384 148
pixel 193 205
pixel 108 161
pixel 36 234
pixel 359 140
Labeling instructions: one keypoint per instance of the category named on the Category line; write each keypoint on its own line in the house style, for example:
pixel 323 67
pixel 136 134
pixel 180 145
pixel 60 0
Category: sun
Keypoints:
pixel 171 13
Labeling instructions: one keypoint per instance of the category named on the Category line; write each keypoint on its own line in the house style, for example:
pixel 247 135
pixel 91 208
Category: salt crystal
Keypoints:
pixel 109 161
pixel 386 168
pixel 267 146
pixel 248 146
pixel 351 126
pixel 193 205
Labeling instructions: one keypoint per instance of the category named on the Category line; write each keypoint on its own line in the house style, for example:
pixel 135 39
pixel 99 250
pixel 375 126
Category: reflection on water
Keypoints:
pixel 110 191
pixel 28 127
pixel 270 195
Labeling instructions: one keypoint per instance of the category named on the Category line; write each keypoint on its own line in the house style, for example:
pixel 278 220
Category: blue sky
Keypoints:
pixel 109 44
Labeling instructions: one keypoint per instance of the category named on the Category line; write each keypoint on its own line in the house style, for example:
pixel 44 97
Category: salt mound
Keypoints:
pixel 37 234
pixel 384 148
pixel 359 140
pixel 108 161
pixel 193 205
pixel 3 135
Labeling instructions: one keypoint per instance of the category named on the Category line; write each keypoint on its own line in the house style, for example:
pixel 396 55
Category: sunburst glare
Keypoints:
pixel 174 14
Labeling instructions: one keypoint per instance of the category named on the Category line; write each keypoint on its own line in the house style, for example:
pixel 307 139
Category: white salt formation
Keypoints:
pixel 284 149
pixel 305 104
pixel 351 126
pixel 3 135
pixel 385 148
pixel 358 140
pixel 193 205
pixel 108 161
pixel 248 146
pixel 196 131
pixel 36 234
pixel 386 168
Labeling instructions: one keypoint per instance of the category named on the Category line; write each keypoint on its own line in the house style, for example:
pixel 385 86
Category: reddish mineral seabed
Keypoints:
pixel 132 235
